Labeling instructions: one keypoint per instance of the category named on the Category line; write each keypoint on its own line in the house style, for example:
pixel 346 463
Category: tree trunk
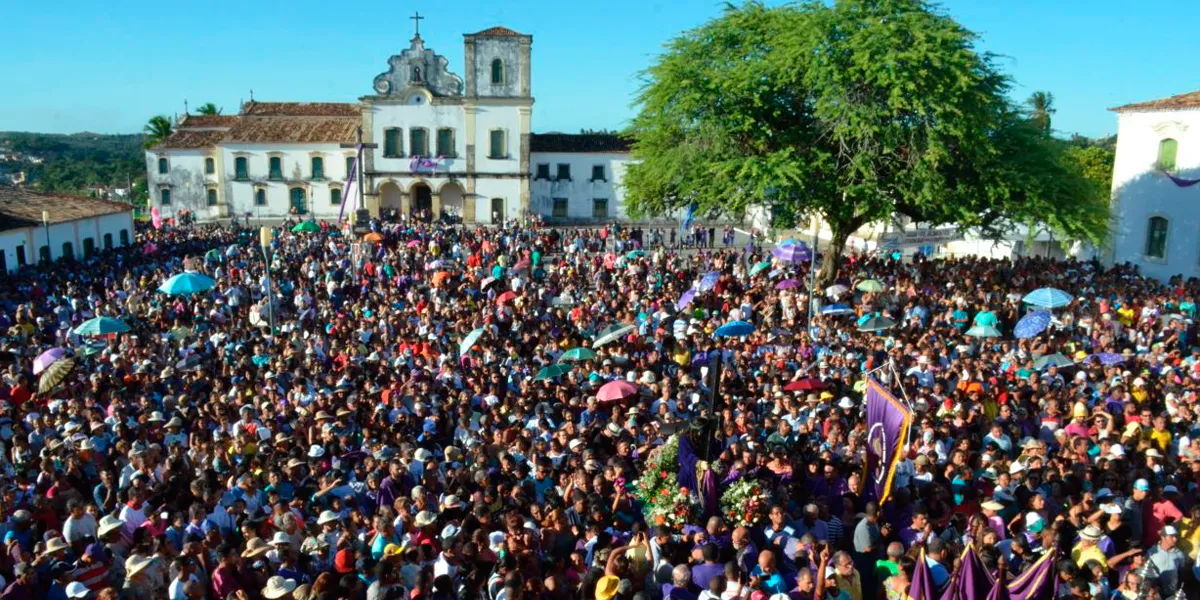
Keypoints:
pixel 831 260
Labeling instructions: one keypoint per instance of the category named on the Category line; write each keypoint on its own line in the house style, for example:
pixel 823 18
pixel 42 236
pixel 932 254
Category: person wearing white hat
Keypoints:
pixel 1168 562
pixel 1088 547
pixel 278 588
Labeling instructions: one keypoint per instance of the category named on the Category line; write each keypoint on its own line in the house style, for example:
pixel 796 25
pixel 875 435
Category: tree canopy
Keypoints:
pixel 853 112
pixel 208 108
pixel 158 129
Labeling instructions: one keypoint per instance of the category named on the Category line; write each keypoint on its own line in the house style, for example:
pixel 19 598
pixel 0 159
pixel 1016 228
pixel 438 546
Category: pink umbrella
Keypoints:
pixel 414 243
pixel 48 358
pixel 615 391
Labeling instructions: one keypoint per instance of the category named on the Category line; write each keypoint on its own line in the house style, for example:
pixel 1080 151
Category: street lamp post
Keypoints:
pixel 264 239
pixel 46 224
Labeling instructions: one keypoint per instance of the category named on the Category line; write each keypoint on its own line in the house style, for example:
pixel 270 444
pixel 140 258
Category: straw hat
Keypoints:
pixel 55 544
pixel 136 564
pixel 278 587
pixel 255 548
pixel 1091 533
pixel 425 519
pixel 327 516
pixel 991 505
pixel 109 524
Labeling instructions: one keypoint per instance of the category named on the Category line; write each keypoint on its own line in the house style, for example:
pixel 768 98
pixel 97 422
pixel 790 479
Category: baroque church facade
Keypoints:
pixel 433 143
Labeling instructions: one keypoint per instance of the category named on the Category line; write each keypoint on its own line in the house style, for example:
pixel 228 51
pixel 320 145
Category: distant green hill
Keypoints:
pixel 75 163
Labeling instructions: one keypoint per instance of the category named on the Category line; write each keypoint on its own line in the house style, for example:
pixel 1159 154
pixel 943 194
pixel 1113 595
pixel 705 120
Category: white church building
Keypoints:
pixel 1155 200
pixel 434 143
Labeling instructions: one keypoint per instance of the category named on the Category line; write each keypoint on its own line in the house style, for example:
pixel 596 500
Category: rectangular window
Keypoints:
pixel 211 196
pixel 560 208
pixel 164 197
pixel 598 173
pixel 44 254
pixel 275 170
pixel 564 172
pixel 124 237
pixel 418 142
pixel 600 208
pixel 1168 149
pixel 163 166
pixel 318 167
pixel 21 255
pixel 108 241
pixel 241 169
pixel 89 247
pixel 335 196
pixel 210 166
pixel 68 251
pixel 391 143
pixel 498 148
pixel 1156 237
pixel 260 197
pixel 350 167
pixel 543 172
pixel 445 143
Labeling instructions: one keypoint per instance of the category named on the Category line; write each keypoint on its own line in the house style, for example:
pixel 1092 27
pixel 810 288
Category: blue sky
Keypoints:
pixel 71 65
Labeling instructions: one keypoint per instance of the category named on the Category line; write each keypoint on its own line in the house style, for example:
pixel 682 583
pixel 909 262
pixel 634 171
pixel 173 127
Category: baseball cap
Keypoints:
pixel 1141 485
pixel 1170 530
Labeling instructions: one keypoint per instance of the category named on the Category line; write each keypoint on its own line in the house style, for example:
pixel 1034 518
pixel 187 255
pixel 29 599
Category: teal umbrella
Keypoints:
pixel 552 371
pixel 983 331
pixel 869 285
pixel 306 227
pixel 635 254
pixel 760 267
pixel 876 323
pixel 213 255
pixel 469 341
pixel 101 326
pixel 577 355
pixel 186 284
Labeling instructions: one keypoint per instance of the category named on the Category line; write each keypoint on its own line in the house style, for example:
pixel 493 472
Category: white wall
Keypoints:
pixel 405 117
pixel 296 171
pixel 1141 192
pixel 185 177
pixel 75 232
pixel 489 188
pixel 580 191
pixel 508 119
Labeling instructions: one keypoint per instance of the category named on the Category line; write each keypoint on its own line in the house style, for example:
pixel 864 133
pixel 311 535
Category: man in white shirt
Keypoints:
pixel 80 525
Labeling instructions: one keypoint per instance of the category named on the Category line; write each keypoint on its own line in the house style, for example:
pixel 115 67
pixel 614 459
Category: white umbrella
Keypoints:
pixel 612 333
pixel 469 341
pixel 836 290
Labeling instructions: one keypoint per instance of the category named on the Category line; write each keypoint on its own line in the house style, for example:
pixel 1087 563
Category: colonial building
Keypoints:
pixel 1155 202
pixel 37 227
pixel 433 142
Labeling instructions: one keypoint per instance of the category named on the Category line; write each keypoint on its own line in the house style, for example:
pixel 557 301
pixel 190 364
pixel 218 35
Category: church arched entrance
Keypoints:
pixel 422 200
pixel 452 200
pixel 390 197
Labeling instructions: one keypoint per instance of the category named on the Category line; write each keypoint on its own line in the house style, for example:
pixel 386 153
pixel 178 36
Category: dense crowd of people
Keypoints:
pixel 391 436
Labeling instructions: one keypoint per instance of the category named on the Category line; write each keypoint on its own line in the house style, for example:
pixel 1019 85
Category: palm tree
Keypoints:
pixel 1041 108
pixel 208 108
pixel 157 129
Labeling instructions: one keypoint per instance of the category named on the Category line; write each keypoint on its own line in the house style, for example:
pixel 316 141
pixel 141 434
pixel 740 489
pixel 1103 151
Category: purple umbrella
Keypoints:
pixel 787 284
pixel 686 299
pixel 48 358
pixel 1108 358
pixel 709 281
pixel 792 253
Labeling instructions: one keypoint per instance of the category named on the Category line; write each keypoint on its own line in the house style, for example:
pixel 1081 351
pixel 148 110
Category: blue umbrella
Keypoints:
pixel 1052 360
pixel 1031 324
pixel 709 281
pixel 735 329
pixel 1047 298
pixel 686 299
pixel 469 341
pixel 101 326
pixel 837 309
pixel 185 284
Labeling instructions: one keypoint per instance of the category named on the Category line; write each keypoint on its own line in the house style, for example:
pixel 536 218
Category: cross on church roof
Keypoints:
pixel 416 19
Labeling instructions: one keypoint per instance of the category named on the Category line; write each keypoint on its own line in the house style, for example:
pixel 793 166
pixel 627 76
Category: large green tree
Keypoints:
pixel 158 129
pixel 852 112
pixel 208 108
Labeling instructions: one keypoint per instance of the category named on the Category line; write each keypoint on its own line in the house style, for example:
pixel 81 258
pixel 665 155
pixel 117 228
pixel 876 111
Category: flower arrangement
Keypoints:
pixel 664 502
pixel 744 503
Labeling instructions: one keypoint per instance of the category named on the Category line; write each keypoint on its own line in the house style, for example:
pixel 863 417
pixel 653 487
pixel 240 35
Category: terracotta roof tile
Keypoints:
pixel 187 139
pixel 207 121
pixel 301 109
pixel 295 130
pixel 497 32
pixel 582 142
pixel 20 207
pixel 1181 101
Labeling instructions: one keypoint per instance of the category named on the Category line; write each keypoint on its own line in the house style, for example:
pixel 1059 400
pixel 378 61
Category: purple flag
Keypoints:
pixel 346 192
pixel 1037 583
pixel 887 436
pixel 922 581
pixel 971 581
pixel 1181 182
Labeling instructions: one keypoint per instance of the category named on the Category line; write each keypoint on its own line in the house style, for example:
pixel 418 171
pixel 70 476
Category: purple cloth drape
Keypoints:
pixel 687 465
pixel 1181 182
pixel 708 493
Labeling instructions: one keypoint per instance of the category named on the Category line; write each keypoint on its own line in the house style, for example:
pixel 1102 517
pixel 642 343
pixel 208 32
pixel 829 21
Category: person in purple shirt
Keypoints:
pixel 918 529
pixel 391 486
pixel 22 587
pixel 710 568
pixel 830 485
